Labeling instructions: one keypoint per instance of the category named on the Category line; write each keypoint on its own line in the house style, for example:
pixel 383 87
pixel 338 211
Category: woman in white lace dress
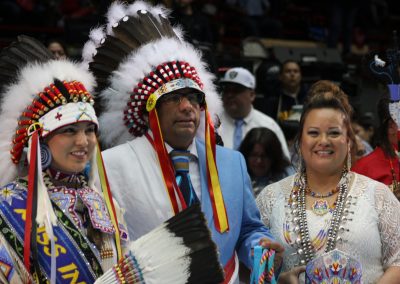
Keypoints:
pixel 325 206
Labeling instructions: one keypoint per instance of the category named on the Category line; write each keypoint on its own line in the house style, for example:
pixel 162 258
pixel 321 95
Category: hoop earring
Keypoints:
pixel 46 157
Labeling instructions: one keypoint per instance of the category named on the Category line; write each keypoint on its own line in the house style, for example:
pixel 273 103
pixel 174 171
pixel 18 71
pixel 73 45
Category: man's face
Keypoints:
pixel 179 116
pixel 291 75
pixel 237 100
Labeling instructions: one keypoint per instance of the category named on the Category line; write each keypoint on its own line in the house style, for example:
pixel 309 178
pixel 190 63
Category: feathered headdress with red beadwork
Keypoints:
pixel 39 95
pixel 136 58
pixel 35 86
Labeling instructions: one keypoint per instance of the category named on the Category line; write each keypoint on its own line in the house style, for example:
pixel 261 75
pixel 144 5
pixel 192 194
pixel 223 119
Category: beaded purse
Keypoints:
pixel 334 267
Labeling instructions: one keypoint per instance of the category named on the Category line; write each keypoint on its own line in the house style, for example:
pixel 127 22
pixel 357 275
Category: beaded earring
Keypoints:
pixel 46 157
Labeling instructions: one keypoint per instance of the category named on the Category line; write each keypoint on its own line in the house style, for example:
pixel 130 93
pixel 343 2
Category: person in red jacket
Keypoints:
pixel 383 163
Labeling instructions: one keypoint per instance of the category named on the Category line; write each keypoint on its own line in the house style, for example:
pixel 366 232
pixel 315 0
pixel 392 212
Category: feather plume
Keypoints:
pixel 96 35
pixel 88 50
pixel 126 35
pixel 115 13
pixel 132 9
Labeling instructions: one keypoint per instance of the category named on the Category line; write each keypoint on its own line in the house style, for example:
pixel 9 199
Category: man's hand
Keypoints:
pixel 277 247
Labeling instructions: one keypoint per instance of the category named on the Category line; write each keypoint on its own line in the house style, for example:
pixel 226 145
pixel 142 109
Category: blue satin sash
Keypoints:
pixel 78 261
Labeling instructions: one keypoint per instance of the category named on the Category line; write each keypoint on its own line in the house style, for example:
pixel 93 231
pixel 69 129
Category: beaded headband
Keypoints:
pixel 55 100
pixel 166 78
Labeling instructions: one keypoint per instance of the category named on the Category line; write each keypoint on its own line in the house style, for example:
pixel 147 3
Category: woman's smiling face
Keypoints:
pixel 72 146
pixel 324 143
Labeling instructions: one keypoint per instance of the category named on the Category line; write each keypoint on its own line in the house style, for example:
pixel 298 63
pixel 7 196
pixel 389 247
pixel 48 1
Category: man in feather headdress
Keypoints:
pixel 158 101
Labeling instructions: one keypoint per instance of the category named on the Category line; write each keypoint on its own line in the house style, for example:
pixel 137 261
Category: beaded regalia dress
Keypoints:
pixel 84 231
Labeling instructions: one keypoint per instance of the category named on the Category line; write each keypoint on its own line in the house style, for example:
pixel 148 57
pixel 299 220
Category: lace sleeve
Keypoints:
pixel 388 208
pixel 264 203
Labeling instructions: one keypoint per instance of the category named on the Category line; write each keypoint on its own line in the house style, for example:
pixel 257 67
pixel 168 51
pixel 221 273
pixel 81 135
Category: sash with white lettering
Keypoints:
pixel 77 260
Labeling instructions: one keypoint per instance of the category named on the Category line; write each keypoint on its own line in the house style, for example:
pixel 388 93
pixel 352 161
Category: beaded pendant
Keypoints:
pixel 320 207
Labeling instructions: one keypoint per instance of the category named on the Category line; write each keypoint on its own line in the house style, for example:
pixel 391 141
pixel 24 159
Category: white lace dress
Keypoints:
pixel 370 228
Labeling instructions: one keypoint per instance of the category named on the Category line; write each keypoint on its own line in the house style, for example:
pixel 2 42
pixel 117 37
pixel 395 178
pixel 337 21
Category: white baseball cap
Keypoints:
pixel 239 76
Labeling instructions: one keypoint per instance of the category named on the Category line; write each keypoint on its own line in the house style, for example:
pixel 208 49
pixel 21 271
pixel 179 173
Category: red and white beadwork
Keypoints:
pixel 156 82
pixel 47 100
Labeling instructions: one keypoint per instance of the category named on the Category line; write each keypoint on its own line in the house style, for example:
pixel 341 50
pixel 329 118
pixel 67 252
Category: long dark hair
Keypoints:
pixel 326 94
pixel 381 135
pixel 272 147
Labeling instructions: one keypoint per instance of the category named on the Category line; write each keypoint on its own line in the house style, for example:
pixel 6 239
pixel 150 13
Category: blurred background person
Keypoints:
pixel 57 48
pixel 199 28
pixel 363 127
pixel 264 157
pixel 343 16
pixel 255 18
pixel 360 150
pixel 289 92
pixel 239 115
pixel 383 163
pixel 189 14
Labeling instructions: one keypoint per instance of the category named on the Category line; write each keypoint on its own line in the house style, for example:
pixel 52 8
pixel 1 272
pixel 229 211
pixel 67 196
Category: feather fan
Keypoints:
pixel 178 251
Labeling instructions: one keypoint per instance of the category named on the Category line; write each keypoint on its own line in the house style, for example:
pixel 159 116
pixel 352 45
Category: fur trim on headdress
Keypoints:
pixel 31 81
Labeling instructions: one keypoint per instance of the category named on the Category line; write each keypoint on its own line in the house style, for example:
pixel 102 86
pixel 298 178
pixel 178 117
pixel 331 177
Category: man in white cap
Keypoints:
pixel 239 115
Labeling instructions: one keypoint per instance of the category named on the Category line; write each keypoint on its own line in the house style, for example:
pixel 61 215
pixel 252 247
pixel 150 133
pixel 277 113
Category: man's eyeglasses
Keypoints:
pixel 195 99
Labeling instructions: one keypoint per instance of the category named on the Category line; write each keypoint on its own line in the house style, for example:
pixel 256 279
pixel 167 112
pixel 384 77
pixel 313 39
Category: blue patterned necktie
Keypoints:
pixel 180 160
pixel 238 134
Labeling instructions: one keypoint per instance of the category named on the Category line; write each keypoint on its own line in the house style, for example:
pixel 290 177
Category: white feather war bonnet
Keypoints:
pixel 38 96
pixel 136 58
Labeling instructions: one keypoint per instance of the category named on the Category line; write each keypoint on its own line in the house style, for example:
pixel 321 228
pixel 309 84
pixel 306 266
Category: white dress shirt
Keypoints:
pixel 254 119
